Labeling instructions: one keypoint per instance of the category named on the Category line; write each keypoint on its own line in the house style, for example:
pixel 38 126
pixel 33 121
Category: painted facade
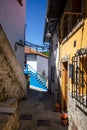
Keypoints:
pixel 32 61
pixel 73 55
pixel 12 19
pixel 53 67
pixel 42 65
pixel 72 62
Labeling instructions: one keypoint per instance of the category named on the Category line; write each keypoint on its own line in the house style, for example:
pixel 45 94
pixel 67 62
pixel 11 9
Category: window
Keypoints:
pixel 79 78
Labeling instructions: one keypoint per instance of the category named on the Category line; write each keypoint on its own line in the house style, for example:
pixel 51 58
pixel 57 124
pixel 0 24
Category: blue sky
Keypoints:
pixel 35 20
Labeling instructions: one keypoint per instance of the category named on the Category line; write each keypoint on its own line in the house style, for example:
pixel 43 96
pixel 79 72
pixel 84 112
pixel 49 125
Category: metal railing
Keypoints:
pixel 79 78
pixel 28 68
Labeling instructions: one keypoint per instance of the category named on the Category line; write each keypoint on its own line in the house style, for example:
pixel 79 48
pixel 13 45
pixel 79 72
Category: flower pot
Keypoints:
pixel 64 115
pixel 57 107
pixel 64 121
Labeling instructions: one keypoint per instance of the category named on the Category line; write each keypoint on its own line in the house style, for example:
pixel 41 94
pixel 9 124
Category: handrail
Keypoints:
pixel 30 68
pixel 41 77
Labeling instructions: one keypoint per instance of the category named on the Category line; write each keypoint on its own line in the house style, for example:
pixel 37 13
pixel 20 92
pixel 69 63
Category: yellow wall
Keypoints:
pixel 80 36
pixel 67 48
pixel 67 51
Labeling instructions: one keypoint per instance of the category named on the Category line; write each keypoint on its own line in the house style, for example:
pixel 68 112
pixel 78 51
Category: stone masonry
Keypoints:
pixel 12 79
pixel 77 118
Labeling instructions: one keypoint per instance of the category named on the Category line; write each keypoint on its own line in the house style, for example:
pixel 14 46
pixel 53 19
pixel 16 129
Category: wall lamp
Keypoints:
pixel 48 34
pixel 50 31
pixel 20 43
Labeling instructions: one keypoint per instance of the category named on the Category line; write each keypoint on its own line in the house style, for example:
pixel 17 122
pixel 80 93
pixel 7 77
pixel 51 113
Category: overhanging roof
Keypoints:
pixel 54 11
pixel 55 8
pixel 28 50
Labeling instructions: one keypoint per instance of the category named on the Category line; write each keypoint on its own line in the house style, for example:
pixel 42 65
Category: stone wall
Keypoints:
pixel 77 117
pixel 12 79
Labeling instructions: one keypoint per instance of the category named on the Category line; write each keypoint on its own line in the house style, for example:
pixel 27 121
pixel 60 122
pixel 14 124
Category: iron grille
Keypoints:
pixel 79 76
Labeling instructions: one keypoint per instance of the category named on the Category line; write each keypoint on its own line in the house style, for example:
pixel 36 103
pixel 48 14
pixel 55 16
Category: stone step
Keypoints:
pixel 9 121
pixel 11 102
pixel 9 118
pixel 9 110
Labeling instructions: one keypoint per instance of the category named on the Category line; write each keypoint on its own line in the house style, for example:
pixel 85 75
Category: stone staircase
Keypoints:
pixel 9 119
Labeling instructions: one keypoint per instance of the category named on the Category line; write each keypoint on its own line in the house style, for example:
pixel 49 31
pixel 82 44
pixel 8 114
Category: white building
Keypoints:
pixel 53 73
pixel 37 60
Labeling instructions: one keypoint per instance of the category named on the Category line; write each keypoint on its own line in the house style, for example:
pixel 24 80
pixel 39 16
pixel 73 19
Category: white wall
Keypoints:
pixel 32 61
pixel 12 19
pixel 55 56
pixel 53 85
pixel 42 65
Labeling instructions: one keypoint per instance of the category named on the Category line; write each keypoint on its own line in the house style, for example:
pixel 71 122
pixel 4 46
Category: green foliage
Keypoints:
pixel 45 53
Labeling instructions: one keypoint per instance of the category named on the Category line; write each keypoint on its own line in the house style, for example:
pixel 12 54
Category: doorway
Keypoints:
pixel 64 85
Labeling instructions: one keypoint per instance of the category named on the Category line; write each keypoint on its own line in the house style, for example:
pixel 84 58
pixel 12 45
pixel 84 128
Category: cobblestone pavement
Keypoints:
pixel 37 112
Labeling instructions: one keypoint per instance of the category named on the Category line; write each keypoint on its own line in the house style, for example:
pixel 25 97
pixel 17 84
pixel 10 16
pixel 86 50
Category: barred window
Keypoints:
pixel 79 78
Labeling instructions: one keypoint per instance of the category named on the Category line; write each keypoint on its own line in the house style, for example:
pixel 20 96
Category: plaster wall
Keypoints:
pixel 42 65
pixel 12 19
pixel 32 61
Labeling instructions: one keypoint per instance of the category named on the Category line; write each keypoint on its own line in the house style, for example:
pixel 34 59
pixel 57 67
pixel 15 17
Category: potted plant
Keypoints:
pixel 57 107
pixel 64 118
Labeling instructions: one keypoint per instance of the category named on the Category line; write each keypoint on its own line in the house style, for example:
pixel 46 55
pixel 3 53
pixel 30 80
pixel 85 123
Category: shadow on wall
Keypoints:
pixel 12 79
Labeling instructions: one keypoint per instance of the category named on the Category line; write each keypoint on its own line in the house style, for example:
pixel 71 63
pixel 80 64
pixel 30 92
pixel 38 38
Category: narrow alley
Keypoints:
pixel 43 44
pixel 37 112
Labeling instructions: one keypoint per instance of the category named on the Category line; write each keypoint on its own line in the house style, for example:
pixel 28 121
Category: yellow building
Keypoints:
pixel 71 29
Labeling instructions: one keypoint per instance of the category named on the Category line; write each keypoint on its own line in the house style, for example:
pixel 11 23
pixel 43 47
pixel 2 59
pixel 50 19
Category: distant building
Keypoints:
pixel 37 60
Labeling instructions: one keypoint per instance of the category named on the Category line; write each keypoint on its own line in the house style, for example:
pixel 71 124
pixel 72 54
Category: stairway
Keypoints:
pixel 36 80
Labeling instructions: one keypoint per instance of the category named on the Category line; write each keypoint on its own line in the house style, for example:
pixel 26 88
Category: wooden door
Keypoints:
pixel 64 85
